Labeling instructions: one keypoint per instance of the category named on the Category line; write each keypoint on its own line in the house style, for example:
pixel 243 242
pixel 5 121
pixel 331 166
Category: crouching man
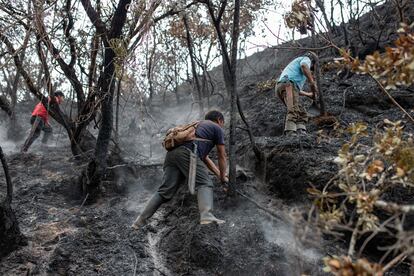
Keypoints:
pixel 289 88
pixel 208 133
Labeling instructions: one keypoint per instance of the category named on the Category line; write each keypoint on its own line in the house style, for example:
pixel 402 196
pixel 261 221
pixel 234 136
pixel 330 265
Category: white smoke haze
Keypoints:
pixel 137 199
pixel 283 235
pixel 7 145
pixel 142 130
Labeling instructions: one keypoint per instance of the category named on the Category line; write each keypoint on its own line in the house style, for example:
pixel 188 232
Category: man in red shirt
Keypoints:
pixel 40 121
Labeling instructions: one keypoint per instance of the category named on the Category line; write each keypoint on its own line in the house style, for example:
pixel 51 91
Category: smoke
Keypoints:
pixel 139 186
pixel 7 145
pixel 283 235
pixel 142 131
pixel 137 200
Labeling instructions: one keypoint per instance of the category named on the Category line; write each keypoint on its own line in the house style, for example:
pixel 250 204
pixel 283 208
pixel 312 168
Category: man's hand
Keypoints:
pixel 307 94
pixel 229 188
pixel 225 179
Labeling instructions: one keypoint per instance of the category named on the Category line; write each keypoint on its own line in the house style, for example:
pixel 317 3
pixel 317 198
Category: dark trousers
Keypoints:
pixel 176 167
pixel 296 117
pixel 38 125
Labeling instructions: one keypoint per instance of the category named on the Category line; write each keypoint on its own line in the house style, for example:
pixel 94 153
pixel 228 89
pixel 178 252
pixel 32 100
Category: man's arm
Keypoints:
pixel 308 74
pixel 220 172
pixel 211 166
pixel 222 162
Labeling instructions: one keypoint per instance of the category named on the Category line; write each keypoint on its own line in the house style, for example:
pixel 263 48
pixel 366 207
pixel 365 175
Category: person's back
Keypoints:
pixel 208 130
pixel 41 112
pixel 293 71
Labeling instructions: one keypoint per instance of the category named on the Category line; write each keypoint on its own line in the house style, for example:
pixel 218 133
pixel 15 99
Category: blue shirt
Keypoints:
pixel 207 130
pixel 294 72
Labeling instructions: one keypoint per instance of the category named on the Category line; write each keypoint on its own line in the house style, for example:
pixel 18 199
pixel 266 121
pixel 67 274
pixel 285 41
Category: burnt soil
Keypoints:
pixel 66 237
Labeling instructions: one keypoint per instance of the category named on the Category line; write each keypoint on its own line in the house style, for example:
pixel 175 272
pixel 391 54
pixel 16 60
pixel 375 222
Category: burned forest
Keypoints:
pixel 207 137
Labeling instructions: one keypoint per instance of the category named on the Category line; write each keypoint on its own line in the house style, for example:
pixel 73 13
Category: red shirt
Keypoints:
pixel 41 111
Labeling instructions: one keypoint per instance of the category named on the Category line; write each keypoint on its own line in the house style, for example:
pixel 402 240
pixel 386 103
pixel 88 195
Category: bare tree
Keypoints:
pixel 196 80
pixel 229 72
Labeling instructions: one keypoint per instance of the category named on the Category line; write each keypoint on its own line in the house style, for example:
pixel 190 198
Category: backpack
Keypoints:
pixel 180 134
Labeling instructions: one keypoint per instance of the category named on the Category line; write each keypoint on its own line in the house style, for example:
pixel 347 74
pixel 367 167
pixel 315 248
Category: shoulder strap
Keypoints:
pixel 202 140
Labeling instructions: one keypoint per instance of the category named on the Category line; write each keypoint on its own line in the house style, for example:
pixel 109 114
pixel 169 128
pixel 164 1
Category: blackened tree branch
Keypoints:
pixel 67 27
pixel 94 17
pixel 9 183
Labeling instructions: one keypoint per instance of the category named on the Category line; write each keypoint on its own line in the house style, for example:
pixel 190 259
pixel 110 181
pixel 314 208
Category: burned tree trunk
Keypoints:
pixel 193 66
pixel 5 105
pixel 230 81
pixel 10 235
pixel 14 131
pixel 91 178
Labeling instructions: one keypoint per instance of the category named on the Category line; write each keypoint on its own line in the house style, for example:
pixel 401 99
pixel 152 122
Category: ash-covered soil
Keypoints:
pixel 68 238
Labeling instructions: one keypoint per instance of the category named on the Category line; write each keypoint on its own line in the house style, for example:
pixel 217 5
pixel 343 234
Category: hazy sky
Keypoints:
pixel 273 28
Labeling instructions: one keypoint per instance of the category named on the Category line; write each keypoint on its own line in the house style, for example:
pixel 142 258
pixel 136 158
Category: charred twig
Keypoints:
pixel 390 206
pixel 83 202
pixel 394 261
pixel 373 234
pixel 270 212
pixel 136 264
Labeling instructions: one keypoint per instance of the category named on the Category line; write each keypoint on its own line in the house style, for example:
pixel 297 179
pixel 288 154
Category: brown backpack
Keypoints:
pixel 180 134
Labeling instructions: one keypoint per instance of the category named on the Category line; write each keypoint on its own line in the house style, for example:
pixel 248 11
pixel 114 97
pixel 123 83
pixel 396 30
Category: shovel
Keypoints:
pixel 314 110
pixel 317 107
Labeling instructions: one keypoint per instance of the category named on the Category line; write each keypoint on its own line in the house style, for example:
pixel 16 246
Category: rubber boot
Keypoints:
pixel 29 141
pixel 205 205
pixel 290 133
pixel 46 136
pixel 151 207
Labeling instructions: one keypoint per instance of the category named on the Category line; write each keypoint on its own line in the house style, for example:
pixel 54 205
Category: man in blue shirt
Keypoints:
pixel 289 87
pixel 177 167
